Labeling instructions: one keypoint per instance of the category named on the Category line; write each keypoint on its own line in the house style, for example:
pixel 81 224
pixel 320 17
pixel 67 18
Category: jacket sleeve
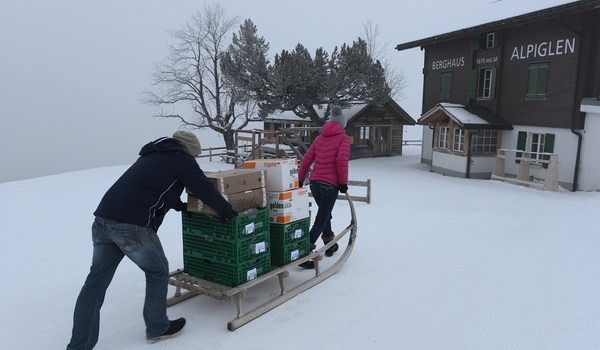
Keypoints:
pixel 307 160
pixel 194 179
pixel 342 157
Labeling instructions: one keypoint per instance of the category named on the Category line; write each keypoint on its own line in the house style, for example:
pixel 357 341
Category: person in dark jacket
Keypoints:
pixel 126 223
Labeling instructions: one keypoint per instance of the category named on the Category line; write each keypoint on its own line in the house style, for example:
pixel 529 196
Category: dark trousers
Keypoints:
pixel 325 195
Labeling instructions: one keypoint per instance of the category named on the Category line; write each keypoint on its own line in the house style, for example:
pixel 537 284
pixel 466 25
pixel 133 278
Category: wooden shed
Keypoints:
pixel 374 131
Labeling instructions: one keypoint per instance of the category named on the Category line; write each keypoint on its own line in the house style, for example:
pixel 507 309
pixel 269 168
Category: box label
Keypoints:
pixel 250 275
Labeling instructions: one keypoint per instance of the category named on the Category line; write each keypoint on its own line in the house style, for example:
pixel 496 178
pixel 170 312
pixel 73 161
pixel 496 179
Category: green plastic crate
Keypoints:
pixel 235 228
pixel 226 251
pixel 284 234
pixel 231 275
pixel 284 255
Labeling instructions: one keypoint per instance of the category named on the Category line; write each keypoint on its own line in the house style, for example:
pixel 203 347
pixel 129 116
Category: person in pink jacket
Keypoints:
pixel 329 152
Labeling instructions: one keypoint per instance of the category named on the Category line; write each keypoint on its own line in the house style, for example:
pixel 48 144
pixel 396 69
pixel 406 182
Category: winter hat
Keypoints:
pixel 337 115
pixel 188 141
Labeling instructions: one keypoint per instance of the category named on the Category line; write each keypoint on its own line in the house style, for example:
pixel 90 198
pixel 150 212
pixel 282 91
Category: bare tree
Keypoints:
pixel 191 75
pixel 396 80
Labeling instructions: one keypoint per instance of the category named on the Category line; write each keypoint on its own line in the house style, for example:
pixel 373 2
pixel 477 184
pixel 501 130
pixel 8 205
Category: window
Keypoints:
pixel 485 142
pixel 443 141
pixel 486 83
pixel 363 135
pixel 446 86
pixel 537 145
pixel 538 76
pixel 491 41
pixel 482 83
pixel 486 41
pixel 459 138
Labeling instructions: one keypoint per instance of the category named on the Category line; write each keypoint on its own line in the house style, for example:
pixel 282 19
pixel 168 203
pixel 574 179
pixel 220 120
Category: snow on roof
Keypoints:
pixel 461 114
pixel 469 117
pixel 291 116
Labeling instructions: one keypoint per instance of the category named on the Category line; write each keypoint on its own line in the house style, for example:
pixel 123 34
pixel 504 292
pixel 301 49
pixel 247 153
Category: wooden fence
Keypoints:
pixel 523 179
pixel 412 142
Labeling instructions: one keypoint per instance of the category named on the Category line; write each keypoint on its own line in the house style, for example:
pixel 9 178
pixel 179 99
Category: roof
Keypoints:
pixel 499 8
pixel 351 113
pixel 468 117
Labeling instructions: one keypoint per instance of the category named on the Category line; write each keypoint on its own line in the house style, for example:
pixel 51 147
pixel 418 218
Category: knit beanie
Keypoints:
pixel 188 141
pixel 337 115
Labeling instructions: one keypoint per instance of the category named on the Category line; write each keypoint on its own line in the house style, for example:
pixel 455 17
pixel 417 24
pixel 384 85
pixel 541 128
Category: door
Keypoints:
pixel 381 144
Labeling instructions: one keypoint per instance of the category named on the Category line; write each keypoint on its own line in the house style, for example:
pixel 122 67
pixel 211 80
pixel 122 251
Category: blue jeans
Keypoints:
pixel 325 195
pixel 112 241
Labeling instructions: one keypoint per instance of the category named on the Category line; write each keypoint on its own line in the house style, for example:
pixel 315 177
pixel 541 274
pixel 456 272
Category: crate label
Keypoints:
pixel 298 233
pixel 250 275
pixel 260 248
pixel 295 254
pixel 249 228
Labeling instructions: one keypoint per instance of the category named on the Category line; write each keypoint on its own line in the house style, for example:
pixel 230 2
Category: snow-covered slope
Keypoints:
pixel 439 263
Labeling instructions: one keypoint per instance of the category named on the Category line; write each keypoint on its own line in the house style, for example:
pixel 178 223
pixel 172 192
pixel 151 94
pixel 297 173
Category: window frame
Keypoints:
pixel 490 40
pixel 485 142
pixel 524 144
pixel 482 86
pixel 443 135
pixel 458 140
pixel 363 135
pixel 486 83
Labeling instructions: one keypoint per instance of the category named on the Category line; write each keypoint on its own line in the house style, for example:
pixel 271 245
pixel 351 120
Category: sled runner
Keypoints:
pixel 188 286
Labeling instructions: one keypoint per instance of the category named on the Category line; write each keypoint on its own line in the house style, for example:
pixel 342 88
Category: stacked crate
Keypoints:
pixel 234 252
pixel 288 209
pixel 230 253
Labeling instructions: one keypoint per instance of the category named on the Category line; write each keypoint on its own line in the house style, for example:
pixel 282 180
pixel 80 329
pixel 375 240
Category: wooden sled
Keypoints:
pixel 193 286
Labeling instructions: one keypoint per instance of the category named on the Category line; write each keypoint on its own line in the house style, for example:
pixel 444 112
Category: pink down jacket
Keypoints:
pixel 329 152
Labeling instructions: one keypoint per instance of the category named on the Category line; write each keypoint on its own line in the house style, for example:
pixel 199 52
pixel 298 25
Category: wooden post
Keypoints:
pixel 499 166
pixel 523 173
pixel 551 182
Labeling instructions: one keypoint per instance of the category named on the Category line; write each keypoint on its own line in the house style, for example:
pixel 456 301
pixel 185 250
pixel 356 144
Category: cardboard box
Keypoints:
pixel 288 206
pixel 241 201
pixel 282 173
pixel 237 180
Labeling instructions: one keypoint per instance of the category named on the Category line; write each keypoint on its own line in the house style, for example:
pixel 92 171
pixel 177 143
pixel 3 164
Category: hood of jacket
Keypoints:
pixel 164 144
pixel 332 128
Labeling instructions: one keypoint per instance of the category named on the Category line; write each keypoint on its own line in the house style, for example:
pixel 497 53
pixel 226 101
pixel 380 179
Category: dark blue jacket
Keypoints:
pixel 154 183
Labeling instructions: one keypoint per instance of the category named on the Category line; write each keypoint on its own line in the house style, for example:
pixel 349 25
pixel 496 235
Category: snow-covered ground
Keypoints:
pixel 439 263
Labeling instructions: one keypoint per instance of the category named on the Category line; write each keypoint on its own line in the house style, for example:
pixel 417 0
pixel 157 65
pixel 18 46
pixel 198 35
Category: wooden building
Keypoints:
pixel 528 83
pixel 374 131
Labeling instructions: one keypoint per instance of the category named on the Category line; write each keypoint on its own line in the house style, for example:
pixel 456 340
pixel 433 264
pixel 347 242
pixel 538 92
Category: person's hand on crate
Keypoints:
pixel 181 206
pixel 230 214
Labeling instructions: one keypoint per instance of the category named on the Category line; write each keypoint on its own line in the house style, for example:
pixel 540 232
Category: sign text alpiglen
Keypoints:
pixel 543 49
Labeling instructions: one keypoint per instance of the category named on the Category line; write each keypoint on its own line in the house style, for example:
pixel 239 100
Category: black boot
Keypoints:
pixel 309 265
pixel 334 248
pixel 175 328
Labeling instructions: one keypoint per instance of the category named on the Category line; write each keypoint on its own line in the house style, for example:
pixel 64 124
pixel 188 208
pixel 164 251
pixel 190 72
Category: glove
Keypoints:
pixel 343 188
pixel 301 184
pixel 230 214
pixel 181 206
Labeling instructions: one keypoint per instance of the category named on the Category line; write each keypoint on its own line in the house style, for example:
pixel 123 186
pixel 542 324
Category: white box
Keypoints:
pixel 282 173
pixel 287 206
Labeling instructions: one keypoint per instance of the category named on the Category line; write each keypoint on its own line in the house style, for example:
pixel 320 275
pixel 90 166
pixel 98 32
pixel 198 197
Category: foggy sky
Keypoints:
pixel 72 72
